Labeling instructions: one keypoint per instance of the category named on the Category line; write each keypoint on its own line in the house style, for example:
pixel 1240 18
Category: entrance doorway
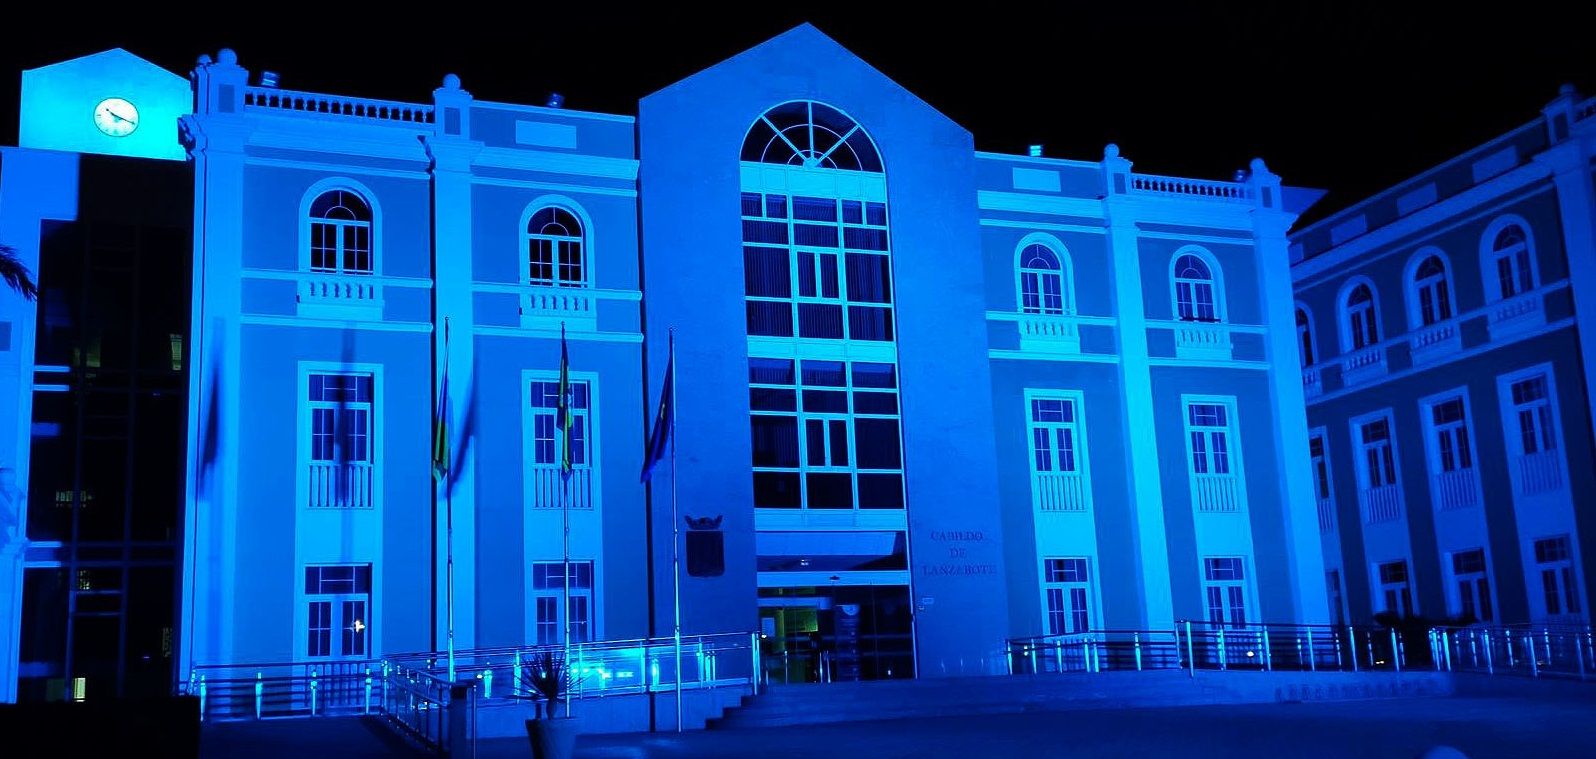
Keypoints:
pixel 853 632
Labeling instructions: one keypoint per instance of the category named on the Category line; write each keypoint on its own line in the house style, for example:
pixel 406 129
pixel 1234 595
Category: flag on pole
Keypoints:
pixel 563 412
pixel 440 419
pixel 664 421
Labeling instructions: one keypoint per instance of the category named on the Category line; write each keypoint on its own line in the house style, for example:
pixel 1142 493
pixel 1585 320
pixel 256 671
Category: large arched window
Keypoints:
pixel 1197 292
pixel 1360 319
pixel 813 135
pixel 341 233
pixel 1044 281
pixel 1305 336
pixel 554 248
pixel 1429 289
pixel 1509 257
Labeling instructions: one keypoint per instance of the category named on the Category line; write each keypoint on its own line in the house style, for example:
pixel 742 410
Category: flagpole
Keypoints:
pixel 676 528
pixel 565 514
pixel 448 503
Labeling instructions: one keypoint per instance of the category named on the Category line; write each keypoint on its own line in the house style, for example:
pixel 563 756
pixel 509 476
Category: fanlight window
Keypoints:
pixel 340 233
pixel 554 249
pixel 1194 290
pixel 1435 296
pixel 1305 337
pixel 1041 281
pixel 1511 253
pixel 812 135
pixel 1364 330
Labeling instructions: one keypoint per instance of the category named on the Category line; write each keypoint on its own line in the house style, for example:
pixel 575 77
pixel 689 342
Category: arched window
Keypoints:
pixel 1042 281
pixel 810 134
pixel 554 248
pixel 1431 293
pixel 1305 336
pixel 340 233
pixel 1362 324
pixel 1510 259
pixel 1196 297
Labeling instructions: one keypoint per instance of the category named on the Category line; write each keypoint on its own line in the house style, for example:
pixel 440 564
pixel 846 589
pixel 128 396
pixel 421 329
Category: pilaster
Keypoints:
pixel 1569 158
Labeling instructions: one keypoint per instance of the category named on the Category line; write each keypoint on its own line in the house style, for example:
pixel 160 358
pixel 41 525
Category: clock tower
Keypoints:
pixel 112 103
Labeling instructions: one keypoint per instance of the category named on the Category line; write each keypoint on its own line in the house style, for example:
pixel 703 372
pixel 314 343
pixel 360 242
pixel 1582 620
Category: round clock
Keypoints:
pixel 116 117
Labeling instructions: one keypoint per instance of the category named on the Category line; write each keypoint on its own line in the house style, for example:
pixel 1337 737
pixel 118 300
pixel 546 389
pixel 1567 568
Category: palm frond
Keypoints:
pixel 16 274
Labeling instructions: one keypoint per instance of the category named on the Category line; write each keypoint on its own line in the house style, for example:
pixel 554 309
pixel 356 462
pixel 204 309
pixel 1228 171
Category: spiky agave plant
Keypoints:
pixel 16 274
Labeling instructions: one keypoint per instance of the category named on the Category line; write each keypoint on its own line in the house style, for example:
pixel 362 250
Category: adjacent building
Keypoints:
pixel 932 398
pixel 1445 336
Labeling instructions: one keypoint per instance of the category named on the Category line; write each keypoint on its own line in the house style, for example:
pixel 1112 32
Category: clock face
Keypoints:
pixel 116 117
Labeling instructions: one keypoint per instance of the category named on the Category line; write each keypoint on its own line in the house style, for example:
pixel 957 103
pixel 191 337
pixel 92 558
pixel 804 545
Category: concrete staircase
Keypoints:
pixel 811 704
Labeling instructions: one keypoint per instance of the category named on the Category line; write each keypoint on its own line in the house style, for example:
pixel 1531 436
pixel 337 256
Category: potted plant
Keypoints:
pixel 547 680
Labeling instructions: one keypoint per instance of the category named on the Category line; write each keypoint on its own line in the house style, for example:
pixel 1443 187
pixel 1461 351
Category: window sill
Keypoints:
pixel 1203 341
pixel 1050 333
pixel 326 295
pixel 548 307
pixel 1516 315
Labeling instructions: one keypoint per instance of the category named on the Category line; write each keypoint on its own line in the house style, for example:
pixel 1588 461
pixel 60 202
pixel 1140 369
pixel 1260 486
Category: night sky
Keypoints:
pixel 1347 96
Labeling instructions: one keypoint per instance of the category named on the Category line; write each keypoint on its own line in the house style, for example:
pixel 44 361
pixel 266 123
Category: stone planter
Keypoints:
pixel 552 737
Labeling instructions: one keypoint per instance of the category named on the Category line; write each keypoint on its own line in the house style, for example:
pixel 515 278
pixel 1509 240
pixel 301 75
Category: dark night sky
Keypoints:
pixel 1348 96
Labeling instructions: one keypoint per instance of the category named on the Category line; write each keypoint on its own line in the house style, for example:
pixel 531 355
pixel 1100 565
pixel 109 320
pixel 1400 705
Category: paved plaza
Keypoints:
pixel 1479 726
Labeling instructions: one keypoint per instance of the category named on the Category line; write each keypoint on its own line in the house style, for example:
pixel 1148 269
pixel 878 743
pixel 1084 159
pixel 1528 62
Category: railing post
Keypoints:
pixel 1529 649
pixel 385 684
pixel 1507 639
pixel 1136 643
pixel 365 707
pixel 1490 666
pixel 1579 653
pixel 1313 658
pixel 202 694
pixel 515 672
pixel 1352 647
pixel 1546 637
pixel 1399 649
pixel 487 682
pixel 1222 652
pixel 259 690
pixel 756 666
pixel 1086 655
pixel 1446 648
pixel 1369 639
pixel 313 687
pixel 1191 656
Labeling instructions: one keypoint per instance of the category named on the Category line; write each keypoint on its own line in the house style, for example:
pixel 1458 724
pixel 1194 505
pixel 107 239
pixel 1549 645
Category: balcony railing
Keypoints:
pixel 1437 339
pixel 550 490
pixel 1327 515
pixel 1154 184
pixel 1202 340
pixel 1216 493
pixel 1381 504
pixel 1361 365
pixel 1540 472
pixel 1050 333
pixel 273 99
pixel 546 306
pixel 1519 313
pixel 339 485
pixel 339 295
pixel 1457 489
pixel 1312 387
pixel 1061 491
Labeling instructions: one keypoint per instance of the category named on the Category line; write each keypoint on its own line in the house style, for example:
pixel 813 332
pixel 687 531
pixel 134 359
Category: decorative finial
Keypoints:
pixel 1567 89
pixel 1110 150
pixel 451 82
pixel 1258 167
pixel 204 60
pixel 227 57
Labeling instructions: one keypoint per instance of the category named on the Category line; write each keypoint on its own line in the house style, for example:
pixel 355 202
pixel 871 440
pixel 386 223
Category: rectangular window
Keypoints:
pixel 1321 467
pixel 1395 593
pixel 548 586
pixel 1449 425
pixel 1559 582
pixel 1058 465
pixel 1225 591
pixel 1532 407
pixel 341 413
pixel 1473 584
pixel 547 435
pixel 1208 429
pixel 338 602
pixel 1332 582
pixel 825 434
pixel 1066 584
pixel 1379 461
pixel 817 273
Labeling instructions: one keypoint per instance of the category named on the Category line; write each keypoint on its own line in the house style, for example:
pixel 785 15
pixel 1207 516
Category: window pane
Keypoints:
pixel 775 440
pixel 830 491
pixel 880 491
pixel 777 490
pixel 878 443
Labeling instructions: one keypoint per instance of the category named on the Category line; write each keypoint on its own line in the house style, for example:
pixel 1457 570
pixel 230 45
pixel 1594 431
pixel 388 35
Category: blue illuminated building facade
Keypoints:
pixel 1447 362
pixel 936 398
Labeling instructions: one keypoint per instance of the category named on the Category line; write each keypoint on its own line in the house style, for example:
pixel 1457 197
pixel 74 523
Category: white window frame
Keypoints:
pixel 1336 591
pixel 1513 444
pixel 1360 452
pixel 1437 285
pixel 347 185
pixel 1232 436
pixel 1455 580
pixel 590 594
pixel 1066 590
pixel 1216 281
pixel 304 430
pixel 1381 588
pixel 1345 315
pixel 1082 470
pixel 1065 274
pixel 590 468
pixel 1322 461
pixel 1306 338
pixel 1562 572
pixel 303 600
pixel 1249 608
pixel 563 203
pixel 1433 453
pixel 1489 256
